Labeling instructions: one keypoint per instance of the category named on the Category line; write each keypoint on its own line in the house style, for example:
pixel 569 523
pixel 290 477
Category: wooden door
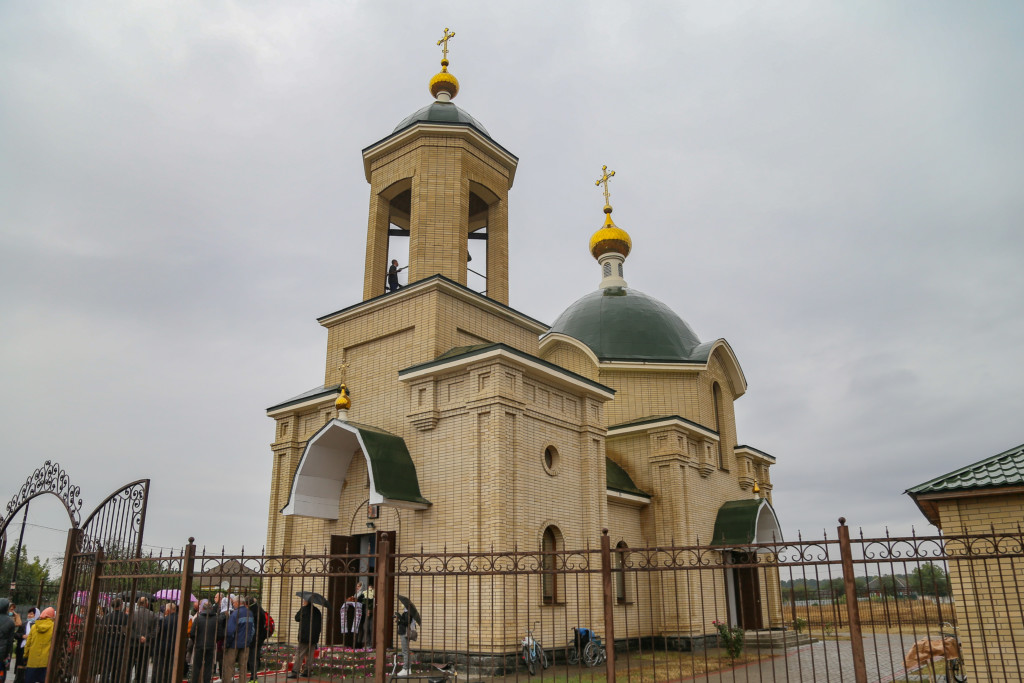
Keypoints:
pixel 748 592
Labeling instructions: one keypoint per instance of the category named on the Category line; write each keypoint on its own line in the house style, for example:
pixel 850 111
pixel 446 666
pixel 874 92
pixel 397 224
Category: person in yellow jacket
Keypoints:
pixel 37 647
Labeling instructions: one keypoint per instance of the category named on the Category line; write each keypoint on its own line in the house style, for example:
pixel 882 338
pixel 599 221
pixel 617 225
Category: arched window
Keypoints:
pixel 716 392
pixel 618 563
pixel 551 544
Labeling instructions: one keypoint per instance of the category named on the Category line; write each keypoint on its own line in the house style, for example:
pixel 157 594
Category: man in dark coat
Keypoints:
pixel 259 615
pixel 7 629
pixel 310 624
pixel 143 623
pixel 204 635
pixel 163 648
pixel 393 272
pixel 113 633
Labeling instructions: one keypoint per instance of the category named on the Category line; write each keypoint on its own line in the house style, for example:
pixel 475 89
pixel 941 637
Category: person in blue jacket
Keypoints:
pixel 239 635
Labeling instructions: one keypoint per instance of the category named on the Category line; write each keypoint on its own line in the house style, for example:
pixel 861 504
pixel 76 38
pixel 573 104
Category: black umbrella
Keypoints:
pixel 314 598
pixel 410 608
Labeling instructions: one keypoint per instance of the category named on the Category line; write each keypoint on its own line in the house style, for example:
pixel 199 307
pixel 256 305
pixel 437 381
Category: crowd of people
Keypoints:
pixel 27 639
pixel 225 635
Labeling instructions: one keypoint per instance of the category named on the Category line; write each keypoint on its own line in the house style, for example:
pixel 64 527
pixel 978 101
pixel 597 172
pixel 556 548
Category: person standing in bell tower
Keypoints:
pixel 393 272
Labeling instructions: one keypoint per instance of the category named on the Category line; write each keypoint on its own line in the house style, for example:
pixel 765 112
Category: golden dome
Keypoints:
pixel 610 238
pixel 343 402
pixel 444 82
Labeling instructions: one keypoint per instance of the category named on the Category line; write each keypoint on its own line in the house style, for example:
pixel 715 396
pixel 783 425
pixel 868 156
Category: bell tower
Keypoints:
pixel 441 180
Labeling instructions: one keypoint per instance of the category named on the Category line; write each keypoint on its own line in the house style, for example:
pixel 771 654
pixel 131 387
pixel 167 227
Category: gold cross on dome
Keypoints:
pixel 605 177
pixel 344 368
pixel 444 40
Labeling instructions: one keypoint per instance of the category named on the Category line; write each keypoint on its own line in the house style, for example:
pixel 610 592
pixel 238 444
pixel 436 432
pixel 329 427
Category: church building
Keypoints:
pixel 448 419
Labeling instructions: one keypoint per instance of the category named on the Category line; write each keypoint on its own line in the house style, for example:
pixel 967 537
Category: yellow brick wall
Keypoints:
pixel 986 592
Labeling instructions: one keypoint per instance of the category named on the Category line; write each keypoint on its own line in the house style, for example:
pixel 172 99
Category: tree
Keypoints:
pixel 30 574
pixel 930 579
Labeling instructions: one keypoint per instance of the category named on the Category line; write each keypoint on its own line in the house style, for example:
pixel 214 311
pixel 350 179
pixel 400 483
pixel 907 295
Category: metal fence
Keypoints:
pixel 650 614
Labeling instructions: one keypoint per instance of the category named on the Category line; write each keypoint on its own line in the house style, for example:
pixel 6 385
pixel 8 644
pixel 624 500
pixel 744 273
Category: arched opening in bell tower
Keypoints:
pixel 399 197
pixel 481 203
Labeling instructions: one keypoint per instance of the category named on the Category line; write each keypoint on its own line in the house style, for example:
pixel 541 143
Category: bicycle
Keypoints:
pixel 585 645
pixel 954 667
pixel 533 651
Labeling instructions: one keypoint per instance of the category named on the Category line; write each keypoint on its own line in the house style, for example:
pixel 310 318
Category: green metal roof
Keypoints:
pixel 394 472
pixel 477 349
pixel 621 324
pixel 441 112
pixel 326 458
pixel 306 395
pixel 736 523
pixel 1003 469
pixel 619 479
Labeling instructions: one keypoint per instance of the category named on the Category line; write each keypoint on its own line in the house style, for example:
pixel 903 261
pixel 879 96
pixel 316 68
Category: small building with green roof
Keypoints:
pixel 984 500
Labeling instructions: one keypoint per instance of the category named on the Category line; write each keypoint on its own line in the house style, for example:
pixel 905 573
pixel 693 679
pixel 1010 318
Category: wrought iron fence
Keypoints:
pixel 637 614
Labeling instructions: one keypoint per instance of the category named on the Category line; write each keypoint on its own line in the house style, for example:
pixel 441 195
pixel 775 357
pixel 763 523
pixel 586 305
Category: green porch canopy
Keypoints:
pixel 744 522
pixel 318 478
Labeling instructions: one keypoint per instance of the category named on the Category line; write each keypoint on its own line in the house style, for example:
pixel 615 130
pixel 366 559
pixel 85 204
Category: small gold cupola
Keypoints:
pixel 344 400
pixel 611 244
pixel 444 86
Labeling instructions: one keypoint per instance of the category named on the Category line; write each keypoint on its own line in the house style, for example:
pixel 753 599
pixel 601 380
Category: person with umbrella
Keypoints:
pixel 407 622
pixel 310 624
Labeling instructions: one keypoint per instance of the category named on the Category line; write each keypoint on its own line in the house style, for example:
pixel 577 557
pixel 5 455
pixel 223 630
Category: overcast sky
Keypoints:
pixel 835 188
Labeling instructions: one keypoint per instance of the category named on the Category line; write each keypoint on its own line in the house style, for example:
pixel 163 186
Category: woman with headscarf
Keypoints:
pixel 37 647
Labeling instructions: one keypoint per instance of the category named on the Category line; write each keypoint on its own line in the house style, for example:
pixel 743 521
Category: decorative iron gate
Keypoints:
pixel 112 532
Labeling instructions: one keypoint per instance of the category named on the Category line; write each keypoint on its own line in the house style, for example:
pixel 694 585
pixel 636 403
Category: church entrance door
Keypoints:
pixel 747 592
pixel 360 567
pixel 341 588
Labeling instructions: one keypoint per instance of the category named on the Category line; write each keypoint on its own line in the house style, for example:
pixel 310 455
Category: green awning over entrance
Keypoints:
pixel 743 522
pixel 394 473
pixel 324 466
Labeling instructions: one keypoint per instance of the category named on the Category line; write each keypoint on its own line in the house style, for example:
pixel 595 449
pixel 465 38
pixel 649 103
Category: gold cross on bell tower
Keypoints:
pixel 344 368
pixel 444 40
pixel 605 177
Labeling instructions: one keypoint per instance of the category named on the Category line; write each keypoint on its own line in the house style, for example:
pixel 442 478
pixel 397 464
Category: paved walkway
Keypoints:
pixel 829 660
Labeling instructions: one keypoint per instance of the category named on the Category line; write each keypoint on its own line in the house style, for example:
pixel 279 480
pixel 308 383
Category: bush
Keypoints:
pixel 799 624
pixel 731 638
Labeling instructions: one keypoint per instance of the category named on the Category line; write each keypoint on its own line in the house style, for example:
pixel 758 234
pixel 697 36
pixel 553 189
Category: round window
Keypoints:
pixel 551 460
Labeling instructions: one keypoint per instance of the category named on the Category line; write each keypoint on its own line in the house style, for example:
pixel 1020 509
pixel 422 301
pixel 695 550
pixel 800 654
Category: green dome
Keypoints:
pixel 626 325
pixel 441 112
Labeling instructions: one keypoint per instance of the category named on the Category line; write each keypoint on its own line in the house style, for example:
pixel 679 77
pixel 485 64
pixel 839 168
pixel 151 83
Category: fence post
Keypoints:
pixel 609 602
pixel 381 607
pixel 39 598
pixel 183 605
pixel 67 587
pixel 90 618
pixel 852 608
